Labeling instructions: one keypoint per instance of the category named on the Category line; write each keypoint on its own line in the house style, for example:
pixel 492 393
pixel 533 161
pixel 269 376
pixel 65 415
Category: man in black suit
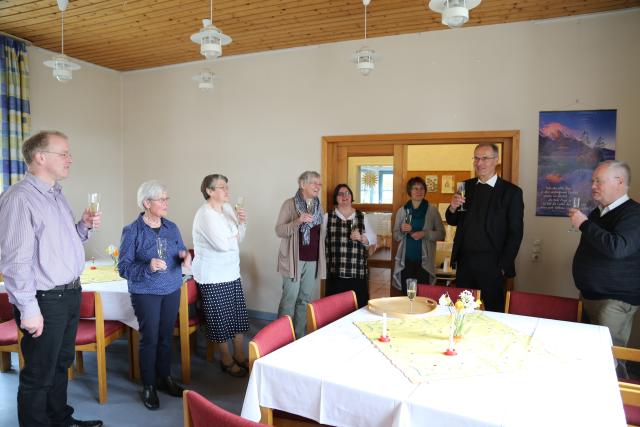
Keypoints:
pixel 489 230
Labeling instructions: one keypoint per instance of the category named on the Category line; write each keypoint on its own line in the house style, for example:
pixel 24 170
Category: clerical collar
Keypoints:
pixel 491 181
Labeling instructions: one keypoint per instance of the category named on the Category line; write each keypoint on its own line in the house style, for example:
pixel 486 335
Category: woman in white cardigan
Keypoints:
pixel 217 230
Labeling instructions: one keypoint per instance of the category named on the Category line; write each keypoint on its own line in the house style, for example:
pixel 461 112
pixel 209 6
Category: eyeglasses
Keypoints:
pixel 161 200
pixel 483 158
pixel 344 194
pixel 63 155
pixel 418 188
pixel 222 187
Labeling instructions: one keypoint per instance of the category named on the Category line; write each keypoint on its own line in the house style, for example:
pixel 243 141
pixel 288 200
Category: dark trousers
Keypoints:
pixel 480 270
pixel 413 270
pixel 157 317
pixel 336 285
pixel 42 393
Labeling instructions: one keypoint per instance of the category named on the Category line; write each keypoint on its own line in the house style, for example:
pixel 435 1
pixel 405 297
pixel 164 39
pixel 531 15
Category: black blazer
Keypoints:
pixel 504 224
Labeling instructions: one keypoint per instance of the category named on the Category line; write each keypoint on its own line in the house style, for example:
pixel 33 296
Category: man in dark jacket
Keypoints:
pixel 489 230
pixel 606 266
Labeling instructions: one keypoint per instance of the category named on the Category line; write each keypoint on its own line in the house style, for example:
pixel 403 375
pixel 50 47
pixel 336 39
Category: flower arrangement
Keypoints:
pixel 465 304
pixel 113 252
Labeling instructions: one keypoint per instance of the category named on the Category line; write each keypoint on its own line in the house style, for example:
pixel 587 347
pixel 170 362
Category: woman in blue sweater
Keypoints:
pixel 151 254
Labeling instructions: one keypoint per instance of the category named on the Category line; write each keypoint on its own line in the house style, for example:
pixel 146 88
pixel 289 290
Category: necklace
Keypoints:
pixel 150 222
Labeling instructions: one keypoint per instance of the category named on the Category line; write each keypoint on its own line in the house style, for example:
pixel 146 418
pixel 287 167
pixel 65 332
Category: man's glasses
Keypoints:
pixel 483 158
pixel 63 155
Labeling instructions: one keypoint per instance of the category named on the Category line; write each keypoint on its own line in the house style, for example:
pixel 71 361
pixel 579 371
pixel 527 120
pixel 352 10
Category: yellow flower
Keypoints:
pixel 459 305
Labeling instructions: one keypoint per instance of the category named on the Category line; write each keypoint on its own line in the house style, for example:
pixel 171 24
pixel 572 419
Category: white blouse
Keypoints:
pixel 372 237
pixel 215 242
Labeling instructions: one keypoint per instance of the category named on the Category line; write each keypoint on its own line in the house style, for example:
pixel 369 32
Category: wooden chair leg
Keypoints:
pixel 5 361
pixel 134 354
pixel 79 362
pixel 266 416
pixel 70 373
pixel 101 357
pixel 185 358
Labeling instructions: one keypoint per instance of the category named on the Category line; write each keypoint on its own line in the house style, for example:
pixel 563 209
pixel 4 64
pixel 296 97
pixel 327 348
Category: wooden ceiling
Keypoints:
pixel 135 34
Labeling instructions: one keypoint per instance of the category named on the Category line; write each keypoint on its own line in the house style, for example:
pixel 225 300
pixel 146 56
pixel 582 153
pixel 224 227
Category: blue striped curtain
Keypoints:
pixel 14 107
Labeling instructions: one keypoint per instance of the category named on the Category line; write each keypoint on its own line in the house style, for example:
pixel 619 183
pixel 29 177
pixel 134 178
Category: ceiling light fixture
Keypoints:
pixel 62 66
pixel 205 79
pixel 210 38
pixel 455 13
pixel 365 57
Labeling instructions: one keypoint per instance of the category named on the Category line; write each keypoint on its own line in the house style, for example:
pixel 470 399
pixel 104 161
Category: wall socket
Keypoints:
pixel 536 250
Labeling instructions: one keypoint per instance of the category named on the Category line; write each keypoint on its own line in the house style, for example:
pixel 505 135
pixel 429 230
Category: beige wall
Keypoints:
pixel 88 109
pixel 263 123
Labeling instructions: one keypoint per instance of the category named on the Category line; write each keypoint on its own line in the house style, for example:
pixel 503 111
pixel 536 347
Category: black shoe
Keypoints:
pixel 238 372
pixel 171 387
pixel 150 397
pixel 90 423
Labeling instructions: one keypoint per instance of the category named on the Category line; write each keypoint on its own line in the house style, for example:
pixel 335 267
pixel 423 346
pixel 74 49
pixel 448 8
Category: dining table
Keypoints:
pixel 509 370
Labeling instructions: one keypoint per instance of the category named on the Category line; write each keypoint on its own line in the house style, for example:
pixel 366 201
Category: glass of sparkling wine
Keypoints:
pixel 94 203
pixel 239 203
pixel 161 246
pixel 460 187
pixel 412 285
pixel 407 217
pixel 310 206
pixel 575 204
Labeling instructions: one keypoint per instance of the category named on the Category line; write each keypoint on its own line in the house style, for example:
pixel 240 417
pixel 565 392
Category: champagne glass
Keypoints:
pixel 460 187
pixel 161 246
pixel 310 206
pixel 575 203
pixel 412 285
pixel 94 204
pixel 239 203
pixel 407 217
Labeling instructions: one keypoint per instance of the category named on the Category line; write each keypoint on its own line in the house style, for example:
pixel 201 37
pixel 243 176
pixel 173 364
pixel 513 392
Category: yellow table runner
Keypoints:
pixel 102 273
pixel 487 347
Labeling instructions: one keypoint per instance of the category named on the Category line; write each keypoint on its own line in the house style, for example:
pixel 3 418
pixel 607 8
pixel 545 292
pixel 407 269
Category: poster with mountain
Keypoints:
pixel 570 145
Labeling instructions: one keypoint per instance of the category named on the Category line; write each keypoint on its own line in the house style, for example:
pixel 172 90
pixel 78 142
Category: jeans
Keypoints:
pixel 157 317
pixel 296 296
pixel 42 393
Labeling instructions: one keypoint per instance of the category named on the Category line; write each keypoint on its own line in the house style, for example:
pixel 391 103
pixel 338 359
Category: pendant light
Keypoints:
pixel 455 13
pixel 210 38
pixel 62 66
pixel 205 79
pixel 365 57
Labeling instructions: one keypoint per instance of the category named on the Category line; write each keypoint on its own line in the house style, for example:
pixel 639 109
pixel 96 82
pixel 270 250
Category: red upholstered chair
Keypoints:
pixel 629 389
pixel 329 309
pixel 10 335
pixel 95 334
pixel 275 335
pixel 545 306
pixel 436 291
pixel 199 412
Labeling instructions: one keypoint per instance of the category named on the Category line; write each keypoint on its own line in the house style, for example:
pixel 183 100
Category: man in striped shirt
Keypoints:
pixel 42 259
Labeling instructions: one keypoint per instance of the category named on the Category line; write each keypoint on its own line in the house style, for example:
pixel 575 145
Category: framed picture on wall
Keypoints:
pixel 432 183
pixel 447 184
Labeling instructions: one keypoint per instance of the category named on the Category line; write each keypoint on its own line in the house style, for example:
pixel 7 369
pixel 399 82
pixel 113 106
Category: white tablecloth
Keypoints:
pixel 337 377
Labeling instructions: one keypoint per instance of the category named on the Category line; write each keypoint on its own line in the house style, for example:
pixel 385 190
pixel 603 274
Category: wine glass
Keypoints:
pixel 94 203
pixel 407 217
pixel 460 188
pixel 310 206
pixel 239 203
pixel 411 292
pixel 575 204
pixel 161 246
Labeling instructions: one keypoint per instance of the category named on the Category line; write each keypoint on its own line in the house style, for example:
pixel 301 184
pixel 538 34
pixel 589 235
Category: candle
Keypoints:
pixel 384 325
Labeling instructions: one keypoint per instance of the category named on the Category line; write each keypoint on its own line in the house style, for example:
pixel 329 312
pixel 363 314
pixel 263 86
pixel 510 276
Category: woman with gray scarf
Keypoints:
pixel 301 259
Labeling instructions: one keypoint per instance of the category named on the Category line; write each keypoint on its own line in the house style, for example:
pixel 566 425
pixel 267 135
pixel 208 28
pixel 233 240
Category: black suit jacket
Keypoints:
pixel 504 222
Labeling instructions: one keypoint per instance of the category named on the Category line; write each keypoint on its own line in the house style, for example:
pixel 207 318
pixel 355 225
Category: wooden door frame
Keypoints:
pixel 396 145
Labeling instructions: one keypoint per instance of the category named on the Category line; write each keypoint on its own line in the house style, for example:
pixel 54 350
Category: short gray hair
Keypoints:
pixel 494 148
pixel 306 176
pixel 150 190
pixel 621 168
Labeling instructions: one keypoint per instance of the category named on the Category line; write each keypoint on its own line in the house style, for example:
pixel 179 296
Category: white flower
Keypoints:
pixel 445 300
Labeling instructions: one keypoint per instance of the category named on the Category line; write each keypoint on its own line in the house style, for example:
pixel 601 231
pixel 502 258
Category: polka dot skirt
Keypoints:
pixel 225 310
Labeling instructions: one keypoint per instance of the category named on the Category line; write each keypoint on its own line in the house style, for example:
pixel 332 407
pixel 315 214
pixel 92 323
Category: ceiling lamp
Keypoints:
pixel 455 13
pixel 210 38
pixel 365 57
pixel 62 66
pixel 205 79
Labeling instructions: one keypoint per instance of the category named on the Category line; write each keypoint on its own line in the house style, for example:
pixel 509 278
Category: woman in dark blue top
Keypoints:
pixel 417 228
pixel 151 255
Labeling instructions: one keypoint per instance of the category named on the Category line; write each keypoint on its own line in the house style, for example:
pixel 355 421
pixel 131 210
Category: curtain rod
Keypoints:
pixel 17 38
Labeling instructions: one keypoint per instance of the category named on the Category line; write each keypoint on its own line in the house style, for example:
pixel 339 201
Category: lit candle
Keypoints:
pixel 384 325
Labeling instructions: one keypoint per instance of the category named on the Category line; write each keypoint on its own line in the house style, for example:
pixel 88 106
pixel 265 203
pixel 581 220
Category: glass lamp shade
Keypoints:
pixel 210 39
pixel 205 79
pixel 365 61
pixel 455 17
pixel 62 67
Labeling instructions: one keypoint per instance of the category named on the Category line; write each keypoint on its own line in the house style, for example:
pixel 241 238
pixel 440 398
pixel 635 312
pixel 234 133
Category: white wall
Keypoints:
pixel 263 123
pixel 89 110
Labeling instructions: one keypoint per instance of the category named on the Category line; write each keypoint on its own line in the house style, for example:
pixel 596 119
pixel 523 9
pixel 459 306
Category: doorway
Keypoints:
pixel 377 168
